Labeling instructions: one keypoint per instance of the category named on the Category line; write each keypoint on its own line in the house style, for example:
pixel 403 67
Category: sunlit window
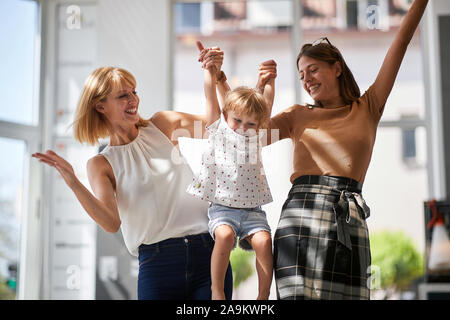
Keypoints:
pixel 17 61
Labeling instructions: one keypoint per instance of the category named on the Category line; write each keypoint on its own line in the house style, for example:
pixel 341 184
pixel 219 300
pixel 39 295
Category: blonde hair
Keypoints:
pixel 244 100
pixel 90 125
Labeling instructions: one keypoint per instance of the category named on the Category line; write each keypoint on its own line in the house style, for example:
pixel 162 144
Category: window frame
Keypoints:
pixel 29 264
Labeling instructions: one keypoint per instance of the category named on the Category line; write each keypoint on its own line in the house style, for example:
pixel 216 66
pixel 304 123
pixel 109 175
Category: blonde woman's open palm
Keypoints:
pixel 63 167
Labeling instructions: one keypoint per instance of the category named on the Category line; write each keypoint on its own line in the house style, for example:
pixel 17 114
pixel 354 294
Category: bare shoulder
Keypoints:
pixel 166 121
pixel 165 115
pixel 294 108
pixel 98 165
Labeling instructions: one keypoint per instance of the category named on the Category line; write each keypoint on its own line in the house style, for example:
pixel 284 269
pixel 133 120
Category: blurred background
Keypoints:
pixel 51 249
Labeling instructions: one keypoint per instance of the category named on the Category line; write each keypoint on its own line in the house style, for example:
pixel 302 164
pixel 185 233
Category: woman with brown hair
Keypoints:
pixel 321 245
pixel 138 187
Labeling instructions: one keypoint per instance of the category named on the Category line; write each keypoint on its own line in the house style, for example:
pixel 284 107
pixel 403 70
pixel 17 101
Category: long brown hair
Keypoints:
pixel 326 52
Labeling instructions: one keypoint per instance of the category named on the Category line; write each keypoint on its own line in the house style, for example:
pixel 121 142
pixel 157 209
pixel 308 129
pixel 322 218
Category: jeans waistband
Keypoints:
pixel 203 239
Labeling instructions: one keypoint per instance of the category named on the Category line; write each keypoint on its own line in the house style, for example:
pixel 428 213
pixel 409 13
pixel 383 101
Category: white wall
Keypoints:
pixel 136 35
pixel 432 73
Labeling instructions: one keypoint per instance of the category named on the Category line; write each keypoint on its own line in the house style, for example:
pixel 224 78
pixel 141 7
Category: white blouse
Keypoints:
pixel 231 173
pixel 151 190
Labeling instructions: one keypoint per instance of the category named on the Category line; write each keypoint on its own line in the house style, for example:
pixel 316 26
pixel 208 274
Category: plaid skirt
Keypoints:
pixel 321 245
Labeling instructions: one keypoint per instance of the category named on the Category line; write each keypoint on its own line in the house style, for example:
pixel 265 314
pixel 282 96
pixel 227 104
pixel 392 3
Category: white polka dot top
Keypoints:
pixel 231 173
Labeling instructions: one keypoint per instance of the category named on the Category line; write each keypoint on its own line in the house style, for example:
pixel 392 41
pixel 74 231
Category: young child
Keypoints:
pixel 232 179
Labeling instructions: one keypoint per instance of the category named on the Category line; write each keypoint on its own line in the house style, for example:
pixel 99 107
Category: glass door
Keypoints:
pixel 19 137
pixel 11 209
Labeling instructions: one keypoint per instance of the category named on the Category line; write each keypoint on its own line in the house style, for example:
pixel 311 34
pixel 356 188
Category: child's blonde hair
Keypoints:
pixel 245 100
pixel 90 125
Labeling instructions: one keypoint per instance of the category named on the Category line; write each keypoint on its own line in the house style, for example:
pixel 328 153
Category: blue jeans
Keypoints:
pixel 178 269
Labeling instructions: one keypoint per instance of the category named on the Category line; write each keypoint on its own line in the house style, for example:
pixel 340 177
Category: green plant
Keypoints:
pixel 5 291
pixel 398 259
pixel 242 265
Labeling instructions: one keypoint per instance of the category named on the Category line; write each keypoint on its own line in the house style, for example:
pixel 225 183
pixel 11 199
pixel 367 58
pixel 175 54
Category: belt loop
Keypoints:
pixel 156 247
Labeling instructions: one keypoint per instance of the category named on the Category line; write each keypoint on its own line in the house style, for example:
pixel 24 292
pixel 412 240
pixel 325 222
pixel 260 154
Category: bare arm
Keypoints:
pixel 103 208
pixel 212 104
pixel 269 94
pixel 267 72
pixel 223 88
pixel 179 124
pixel 389 70
pixel 211 59
pixel 215 56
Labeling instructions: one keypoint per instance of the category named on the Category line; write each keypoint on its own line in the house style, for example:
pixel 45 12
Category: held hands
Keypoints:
pixel 63 167
pixel 211 58
pixel 267 72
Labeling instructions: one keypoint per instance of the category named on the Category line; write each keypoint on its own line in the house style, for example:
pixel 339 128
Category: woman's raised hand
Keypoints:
pixel 210 57
pixel 63 167
pixel 266 71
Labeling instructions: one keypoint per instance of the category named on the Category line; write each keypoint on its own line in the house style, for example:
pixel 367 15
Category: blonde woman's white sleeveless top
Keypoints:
pixel 151 184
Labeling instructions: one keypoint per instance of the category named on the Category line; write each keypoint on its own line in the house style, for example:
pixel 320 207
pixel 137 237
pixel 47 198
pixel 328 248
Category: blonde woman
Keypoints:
pixel 138 188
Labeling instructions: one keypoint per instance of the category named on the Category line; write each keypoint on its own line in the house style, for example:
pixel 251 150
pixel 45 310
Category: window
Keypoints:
pixel 17 61
pixel 19 131
pixel 187 17
pixel 230 11
pixel 409 143
pixel 352 14
pixel 11 204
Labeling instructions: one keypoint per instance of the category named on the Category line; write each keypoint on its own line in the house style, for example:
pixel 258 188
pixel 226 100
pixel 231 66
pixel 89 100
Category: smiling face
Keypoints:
pixel 121 105
pixel 320 79
pixel 242 123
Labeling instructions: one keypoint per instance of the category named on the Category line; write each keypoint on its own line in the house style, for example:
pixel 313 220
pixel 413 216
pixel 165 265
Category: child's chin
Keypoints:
pixel 248 133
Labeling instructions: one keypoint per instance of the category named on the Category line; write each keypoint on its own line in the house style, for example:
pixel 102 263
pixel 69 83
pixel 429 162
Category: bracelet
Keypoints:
pixel 221 78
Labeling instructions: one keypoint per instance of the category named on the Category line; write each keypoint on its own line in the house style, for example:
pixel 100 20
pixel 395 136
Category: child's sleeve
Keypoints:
pixel 212 128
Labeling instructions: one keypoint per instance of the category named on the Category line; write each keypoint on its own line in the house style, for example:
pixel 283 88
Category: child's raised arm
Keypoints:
pixel 209 84
pixel 269 94
pixel 212 104
pixel 266 82
pixel 222 87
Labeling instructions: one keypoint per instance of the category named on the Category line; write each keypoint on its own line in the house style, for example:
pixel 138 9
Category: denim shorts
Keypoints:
pixel 243 221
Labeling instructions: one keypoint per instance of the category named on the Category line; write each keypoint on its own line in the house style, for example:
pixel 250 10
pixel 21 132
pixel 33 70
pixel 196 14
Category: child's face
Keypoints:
pixel 241 122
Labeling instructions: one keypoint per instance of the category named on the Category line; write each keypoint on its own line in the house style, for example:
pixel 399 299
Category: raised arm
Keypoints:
pixel 102 208
pixel 386 77
pixel 179 124
pixel 212 104
pixel 267 72
pixel 214 56
pixel 222 87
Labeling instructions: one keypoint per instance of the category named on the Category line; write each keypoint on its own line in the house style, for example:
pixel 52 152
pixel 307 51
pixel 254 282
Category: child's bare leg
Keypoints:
pixel 224 240
pixel 262 244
